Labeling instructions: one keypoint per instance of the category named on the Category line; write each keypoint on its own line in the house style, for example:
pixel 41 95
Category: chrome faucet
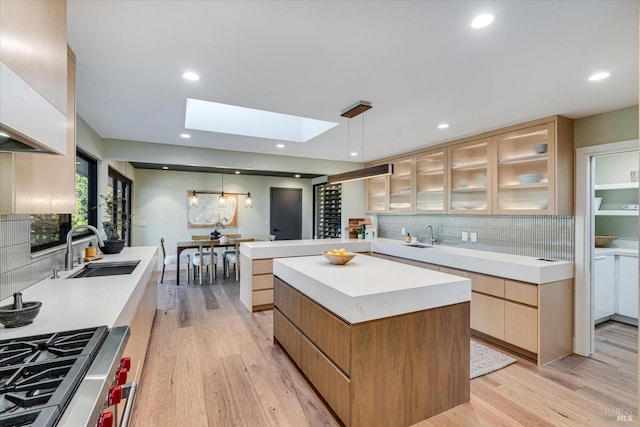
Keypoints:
pixel 429 232
pixel 68 256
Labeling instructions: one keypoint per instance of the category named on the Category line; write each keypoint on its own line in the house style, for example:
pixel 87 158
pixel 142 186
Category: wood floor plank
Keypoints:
pixel 212 363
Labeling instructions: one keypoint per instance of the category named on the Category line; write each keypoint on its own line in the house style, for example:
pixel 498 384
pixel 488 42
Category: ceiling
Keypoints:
pixel 419 63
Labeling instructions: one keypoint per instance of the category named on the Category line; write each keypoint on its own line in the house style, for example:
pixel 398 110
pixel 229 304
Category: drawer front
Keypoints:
pixel 334 387
pixel 286 298
pixel 454 271
pixel 521 326
pixel 525 293
pixel 487 315
pixel 262 297
pixel 327 332
pixel 487 284
pixel 262 266
pixel 287 335
pixel 264 281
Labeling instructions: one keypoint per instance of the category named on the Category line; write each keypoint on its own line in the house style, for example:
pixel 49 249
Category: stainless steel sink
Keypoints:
pixel 419 245
pixel 100 269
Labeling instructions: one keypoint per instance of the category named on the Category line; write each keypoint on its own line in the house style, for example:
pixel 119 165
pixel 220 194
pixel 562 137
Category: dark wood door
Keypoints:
pixel 286 213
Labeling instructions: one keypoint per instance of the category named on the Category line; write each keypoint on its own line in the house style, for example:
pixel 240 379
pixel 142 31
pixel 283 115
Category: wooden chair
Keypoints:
pixel 231 257
pixel 170 259
pixel 200 237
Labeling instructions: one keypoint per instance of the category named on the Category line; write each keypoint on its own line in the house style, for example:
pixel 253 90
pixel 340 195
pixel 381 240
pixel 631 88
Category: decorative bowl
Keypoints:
pixel 602 241
pixel 339 259
pixel 13 317
pixel 112 247
pixel 529 178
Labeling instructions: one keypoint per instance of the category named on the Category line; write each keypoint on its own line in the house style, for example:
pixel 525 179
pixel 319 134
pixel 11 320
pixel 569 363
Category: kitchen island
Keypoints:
pixel 384 343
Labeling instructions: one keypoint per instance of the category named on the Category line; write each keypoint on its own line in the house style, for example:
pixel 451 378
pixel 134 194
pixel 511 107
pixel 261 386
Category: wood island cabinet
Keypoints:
pixel 368 372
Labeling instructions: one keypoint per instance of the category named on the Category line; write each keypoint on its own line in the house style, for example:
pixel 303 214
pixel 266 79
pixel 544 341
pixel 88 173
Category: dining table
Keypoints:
pixel 204 243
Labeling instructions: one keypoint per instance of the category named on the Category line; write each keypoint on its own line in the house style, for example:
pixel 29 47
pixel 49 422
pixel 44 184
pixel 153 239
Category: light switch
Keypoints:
pixel 464 236
pixel 142 223
pixel 474 237
pixel 404 231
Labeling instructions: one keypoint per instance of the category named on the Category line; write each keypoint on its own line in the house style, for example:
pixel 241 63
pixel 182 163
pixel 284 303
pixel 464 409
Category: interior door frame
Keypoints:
pixel 584 339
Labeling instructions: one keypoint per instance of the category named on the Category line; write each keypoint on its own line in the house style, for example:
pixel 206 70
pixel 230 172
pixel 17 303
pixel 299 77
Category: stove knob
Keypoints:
pixel 121 376
pixel 115 395
pixel 125 362
pixel 105 420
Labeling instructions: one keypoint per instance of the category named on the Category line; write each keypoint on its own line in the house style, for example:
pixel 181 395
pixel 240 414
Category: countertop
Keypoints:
pixel 288 248
pixel 369 288
pixel 515 267
pixel 616 251
pixel 69 304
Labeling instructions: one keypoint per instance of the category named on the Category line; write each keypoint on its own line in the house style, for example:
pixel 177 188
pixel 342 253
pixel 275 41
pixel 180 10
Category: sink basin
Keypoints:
pixel 419 245
pixel 100 269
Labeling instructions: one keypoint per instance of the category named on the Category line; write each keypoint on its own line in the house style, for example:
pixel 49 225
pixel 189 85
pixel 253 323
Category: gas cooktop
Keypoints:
pixel 39 374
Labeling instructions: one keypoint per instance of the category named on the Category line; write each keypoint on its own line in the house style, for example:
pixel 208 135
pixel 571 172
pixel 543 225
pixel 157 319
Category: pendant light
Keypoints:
pixel 193 200
pixel 364 173
pixel 222 200
pixel 248 202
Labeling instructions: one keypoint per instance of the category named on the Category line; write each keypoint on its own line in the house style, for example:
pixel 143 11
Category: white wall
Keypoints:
pixel 161 202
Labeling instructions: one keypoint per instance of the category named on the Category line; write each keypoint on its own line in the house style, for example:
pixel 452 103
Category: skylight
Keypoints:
pixel 231 119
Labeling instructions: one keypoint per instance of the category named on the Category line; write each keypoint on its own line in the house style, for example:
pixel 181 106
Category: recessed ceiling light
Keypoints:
pixel 185 135
pixel 599 76
pixel 237 172
pixel 165 167
pixel 297 175
pixel 190 75
pixel 482 21
pixel 443 125
pixel 280 145
pixel 235 120
pixel 353 154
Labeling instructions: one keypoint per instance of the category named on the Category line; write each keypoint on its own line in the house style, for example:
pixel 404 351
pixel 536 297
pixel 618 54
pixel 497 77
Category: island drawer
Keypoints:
pixel 262 266
pixel 264 281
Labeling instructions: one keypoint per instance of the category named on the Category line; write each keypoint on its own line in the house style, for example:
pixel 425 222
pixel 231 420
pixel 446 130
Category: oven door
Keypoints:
pixel 91 399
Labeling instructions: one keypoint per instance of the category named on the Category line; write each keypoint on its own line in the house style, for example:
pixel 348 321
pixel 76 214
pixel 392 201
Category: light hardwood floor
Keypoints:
pixel 212 363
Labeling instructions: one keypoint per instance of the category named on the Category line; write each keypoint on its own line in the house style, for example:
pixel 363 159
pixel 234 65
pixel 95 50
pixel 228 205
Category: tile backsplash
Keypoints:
pixel 542 236
pixel 18 268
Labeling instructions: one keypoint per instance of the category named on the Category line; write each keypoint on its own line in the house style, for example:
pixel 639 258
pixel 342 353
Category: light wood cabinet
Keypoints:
pixel 431 182
pixel 535 320
pixel 521 169
pixel 42 183
pixel 534 170
pixel 391 371
pixel 401 199
pixel 470 176
pixel 33 43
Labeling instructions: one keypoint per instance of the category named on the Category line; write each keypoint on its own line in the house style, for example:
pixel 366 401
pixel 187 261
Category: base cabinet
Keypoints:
pixel 604 287
pixel 535 320
pixel 628 286
pixel 393 371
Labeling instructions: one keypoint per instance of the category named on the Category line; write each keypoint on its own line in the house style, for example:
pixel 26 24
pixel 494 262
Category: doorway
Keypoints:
pixel 585 316
pixel 286 213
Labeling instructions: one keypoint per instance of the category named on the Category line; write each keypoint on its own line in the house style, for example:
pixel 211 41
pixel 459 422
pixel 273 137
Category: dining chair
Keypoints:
pixel 206 261
pixel 171 259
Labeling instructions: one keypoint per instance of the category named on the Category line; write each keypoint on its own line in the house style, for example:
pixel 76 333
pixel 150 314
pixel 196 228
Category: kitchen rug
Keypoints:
pixel 485 360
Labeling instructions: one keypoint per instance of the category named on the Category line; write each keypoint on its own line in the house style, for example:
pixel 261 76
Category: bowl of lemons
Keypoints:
pixel 338 256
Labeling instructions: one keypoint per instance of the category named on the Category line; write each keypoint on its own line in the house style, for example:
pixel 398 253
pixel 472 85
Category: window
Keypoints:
pixel 119 190
pixel 51 230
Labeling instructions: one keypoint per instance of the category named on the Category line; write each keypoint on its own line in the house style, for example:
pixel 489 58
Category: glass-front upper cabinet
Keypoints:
pixel 401 187
pixel 524 173
pixel 377 194
pixel 430 182
pixel 470 177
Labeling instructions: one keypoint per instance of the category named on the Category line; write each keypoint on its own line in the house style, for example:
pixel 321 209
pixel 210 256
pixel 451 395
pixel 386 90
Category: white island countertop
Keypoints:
pixel 69 304
pixel 369 288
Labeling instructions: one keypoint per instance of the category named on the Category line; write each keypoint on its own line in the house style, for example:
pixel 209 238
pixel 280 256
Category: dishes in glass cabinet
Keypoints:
pixel 540 148
pixel 529 178
pixel 399 205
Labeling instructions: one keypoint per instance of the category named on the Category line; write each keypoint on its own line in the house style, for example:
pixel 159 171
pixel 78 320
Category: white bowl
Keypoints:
pixel 529 178
pixel 464 183
pixel 597 202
